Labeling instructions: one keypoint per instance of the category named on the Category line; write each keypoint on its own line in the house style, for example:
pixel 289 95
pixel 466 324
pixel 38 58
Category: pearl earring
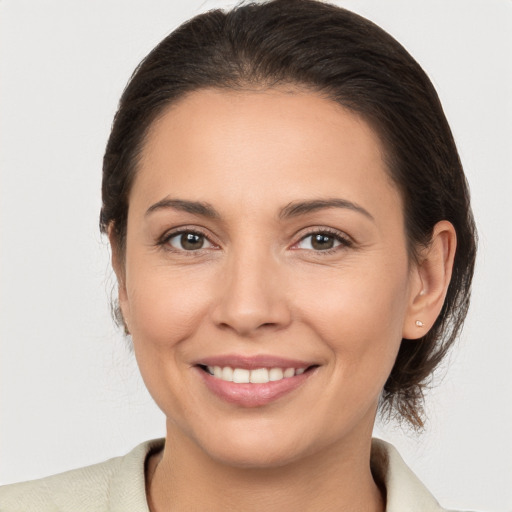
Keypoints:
pixel 419 323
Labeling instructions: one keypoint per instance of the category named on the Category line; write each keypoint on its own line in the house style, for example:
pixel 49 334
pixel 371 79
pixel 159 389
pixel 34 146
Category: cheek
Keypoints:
pixel 165 305
pixel 166 309
pixel 359 316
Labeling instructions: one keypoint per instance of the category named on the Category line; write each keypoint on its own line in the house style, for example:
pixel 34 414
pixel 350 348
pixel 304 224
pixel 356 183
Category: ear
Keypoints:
pixel 430 280
pixel 119 269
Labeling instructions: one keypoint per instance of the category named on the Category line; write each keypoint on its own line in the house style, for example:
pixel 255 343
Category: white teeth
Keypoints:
pixel 256 376
pixel 289 372
pixel 227 373
pixel 241 376
pixel 259 376
pixel 275 374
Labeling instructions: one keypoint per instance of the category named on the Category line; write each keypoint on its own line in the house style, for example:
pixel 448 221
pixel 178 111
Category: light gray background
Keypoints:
pixel 70 392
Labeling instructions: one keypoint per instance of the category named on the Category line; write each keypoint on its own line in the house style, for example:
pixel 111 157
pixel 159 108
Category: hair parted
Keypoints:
pixel 345 57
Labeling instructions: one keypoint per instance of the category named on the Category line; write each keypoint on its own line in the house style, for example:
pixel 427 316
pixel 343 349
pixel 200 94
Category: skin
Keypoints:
pixel 258 286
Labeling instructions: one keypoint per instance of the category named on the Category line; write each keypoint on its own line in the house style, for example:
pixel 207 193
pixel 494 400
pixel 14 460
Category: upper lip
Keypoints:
pixel 252 362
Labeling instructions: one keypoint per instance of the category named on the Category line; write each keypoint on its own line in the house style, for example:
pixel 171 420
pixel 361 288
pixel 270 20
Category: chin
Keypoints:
pixel 262 457
pixel 257 448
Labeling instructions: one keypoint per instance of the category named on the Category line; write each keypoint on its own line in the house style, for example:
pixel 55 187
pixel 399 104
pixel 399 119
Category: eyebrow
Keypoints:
pixel 293 209
pixel 297 208
pixel 195 207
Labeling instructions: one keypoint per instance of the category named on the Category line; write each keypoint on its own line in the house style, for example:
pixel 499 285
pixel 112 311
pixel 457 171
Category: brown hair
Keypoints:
pixel 355 63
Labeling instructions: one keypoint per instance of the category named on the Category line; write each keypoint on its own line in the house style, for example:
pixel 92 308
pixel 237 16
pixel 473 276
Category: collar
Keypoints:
pixel 404 491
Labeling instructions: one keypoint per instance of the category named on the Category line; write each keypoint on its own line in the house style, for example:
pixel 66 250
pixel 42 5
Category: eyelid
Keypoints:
pixel 178 236
pixel 344 239
pixel 180 230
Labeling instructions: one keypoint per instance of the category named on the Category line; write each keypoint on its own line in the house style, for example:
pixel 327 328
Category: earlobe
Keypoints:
pixel 119 270
pixel 430 284
pixel 117 261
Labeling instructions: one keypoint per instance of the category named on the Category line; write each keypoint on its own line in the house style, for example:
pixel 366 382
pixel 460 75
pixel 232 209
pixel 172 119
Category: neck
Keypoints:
pixel 183 477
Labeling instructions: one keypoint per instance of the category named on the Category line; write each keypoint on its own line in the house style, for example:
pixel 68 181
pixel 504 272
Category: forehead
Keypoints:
pixel 266 145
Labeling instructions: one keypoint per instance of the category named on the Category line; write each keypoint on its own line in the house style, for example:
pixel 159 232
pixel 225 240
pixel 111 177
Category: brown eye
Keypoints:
pixel 322 242
pixel 189 241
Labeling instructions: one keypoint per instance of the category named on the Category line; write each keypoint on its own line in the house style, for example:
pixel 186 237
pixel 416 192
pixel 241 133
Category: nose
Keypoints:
pixel 253 295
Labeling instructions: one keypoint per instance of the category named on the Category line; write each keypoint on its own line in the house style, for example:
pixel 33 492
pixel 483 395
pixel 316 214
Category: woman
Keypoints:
pixel 294 247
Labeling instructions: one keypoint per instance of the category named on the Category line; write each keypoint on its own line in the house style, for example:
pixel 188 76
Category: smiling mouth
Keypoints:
pixel 253 376
pixel 257 381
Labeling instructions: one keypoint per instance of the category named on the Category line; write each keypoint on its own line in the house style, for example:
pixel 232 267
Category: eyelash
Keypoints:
pixel 163 242
pixel 344 241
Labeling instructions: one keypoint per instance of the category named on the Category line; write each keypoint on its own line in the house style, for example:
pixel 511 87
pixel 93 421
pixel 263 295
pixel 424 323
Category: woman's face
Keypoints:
pixel 265 242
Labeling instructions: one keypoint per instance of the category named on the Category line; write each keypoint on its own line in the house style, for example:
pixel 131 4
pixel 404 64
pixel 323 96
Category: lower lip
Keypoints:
pixel 252 395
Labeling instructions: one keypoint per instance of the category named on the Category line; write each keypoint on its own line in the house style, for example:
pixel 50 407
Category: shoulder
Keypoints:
pixel 403 488
pixel 116 484
pixel 66 491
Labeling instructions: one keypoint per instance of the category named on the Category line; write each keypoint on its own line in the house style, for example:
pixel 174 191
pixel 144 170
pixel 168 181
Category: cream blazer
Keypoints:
pixel 118 485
